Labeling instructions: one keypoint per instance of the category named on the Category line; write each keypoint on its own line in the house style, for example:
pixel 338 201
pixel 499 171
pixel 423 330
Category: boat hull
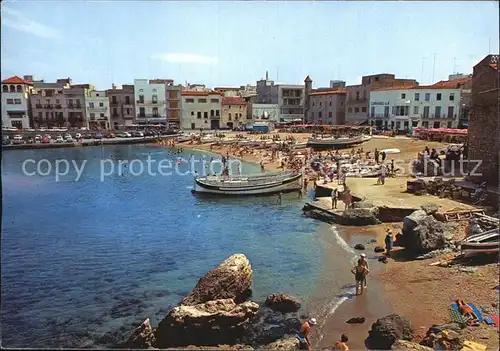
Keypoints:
pixel 470 249
pixel 334 143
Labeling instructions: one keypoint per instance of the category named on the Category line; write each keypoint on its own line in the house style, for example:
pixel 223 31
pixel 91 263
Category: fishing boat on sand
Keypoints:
pixel 483 243
pixel 244 185
pixel 332 142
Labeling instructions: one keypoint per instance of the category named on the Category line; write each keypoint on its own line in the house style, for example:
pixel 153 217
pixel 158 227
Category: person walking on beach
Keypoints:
pixel 304 333
pixel 279 198
pixel 347 197
pixel 383 174
pixel 376 155
pixel 384 155
pixel 342 344
pixel 365 263
pixel 388 243
pixel 335 195
pixel 360 272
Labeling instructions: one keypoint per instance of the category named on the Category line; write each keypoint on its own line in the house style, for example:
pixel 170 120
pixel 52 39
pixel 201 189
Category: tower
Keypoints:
pixel 308 87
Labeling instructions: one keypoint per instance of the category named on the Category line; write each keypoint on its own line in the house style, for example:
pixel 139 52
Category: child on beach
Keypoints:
pixel 342 344
pixel 360 271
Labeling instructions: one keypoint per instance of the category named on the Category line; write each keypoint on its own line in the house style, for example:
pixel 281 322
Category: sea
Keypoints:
pixel 94 242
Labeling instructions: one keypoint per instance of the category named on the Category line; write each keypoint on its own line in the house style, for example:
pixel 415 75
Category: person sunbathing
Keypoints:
pixel 466 310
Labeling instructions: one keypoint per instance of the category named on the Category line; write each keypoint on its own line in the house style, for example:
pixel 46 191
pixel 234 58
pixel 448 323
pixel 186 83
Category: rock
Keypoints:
pixel 356 320
pixel 430 208
pixel 372 241
pixel 282 303
pixel 387 330
pixel 212 323
pixel 232 279
pixel 468 269
pixel 289 343
pixel 382 259
pixel 359 247
pixel 268 326
pixel 408 345
pixel 363 204
pixel 360 216
pixel 434 253
pixel 379 249
pixel 443 340
pixel 142 338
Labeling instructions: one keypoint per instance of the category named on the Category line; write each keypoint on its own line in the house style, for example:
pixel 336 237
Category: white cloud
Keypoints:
pixel 18 21
pixel 186 58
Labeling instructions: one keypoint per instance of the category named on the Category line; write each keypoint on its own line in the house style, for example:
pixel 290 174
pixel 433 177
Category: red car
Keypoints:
pixel 45 141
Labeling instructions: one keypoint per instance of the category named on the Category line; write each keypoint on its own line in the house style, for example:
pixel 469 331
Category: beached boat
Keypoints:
pixel 183 138
pixel 334 142
pixel 244 185
pixel 298 146
pixel 483 243
pixel 391 151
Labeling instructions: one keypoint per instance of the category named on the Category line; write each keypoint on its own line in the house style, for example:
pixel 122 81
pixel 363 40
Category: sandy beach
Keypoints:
pixel 411 288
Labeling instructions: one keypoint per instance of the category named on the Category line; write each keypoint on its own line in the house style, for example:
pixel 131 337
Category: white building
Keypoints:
pixel 201 109
pixel 15 102
pixel 269 112
pixel 150 102
pixel 97 109
pixel 435 106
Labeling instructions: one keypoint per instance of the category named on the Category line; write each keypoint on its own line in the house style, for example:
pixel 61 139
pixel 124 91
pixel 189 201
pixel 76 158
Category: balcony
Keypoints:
pixel 150 115
pixel 98 108
pixel 215 117
pixel 128 117
pixel 58 106
pixel 48 105
pixel 379 115
pixel 39 106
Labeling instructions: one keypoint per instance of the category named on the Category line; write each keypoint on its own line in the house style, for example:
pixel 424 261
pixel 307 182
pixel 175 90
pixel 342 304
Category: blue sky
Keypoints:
pixel 233 43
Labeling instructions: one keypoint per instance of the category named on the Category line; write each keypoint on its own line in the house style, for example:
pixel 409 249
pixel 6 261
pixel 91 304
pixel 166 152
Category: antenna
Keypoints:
pixel 433 66
pixel 422 71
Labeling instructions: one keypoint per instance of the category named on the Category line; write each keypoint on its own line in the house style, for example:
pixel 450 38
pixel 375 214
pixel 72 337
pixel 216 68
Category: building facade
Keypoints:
pixel 270 112
pixel 122 106
pixel 358 96
pixel 16 108
pixel 484 124
pixel 291 99
pixel 403 108
pixel 327 107
pixel 201 110
pixel 174 105
pixel 150 101
pixel 97 110
pixel 234 113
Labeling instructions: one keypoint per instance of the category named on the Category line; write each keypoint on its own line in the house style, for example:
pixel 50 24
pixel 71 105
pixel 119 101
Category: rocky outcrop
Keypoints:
pixel 211 323
pixel 444 340
pixel 359 247
pixel 378 249
pixel 408 345
pixel 423 233
pixel 282 303
pixel 289 343
pixel 387 330
pixel 268 326
pixel 360 216
pixel 363 204
pixel 356 320
pixel 142 338
pixel 232 279
pixel 430 208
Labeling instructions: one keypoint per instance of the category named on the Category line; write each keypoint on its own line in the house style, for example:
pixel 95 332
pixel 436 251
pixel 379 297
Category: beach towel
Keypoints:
pixel 471 345
pixel 489 321
pixel 474 308
pixel 457 317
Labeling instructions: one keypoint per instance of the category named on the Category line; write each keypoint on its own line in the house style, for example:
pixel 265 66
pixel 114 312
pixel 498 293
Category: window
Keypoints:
pixel 141 99
pixel 192 113
pixel 330 103
pixel 5 88
pixel 427 96
pixel 17 101
pixel 12 89
pixel 215 101
pixel 356 109
pixel 189 100
pixel 128 111
pixel 70 102
pixel 127 100
pixel 91 105
pixel 363 109
pixel 320 103
pixel 212 113
pixel 102 115
pixel 330 114
pixel 141 90
pixel 450 125
pixel 154 90
pixel 229 116
pixel 403 96
pixel 92 116
pixel 198 115
pixel 205 114
pixel 417 96
pixel 415 110
pixel 19 89
pixel 437 111
pixel 357 96
pixel 58 101
pixel 217 113
pixel 202 101
pixel 115 112
pixel 452 96
pixel 101 104
pixel 77 102
pixel 451 110
pixel 40 114
pixel 155 111
pixel 438 96
pixel 142 112
pixel 426 111
pixel 349 109
pixel 386 111
pixel 113 100
pixel 10 101
pixel 154 99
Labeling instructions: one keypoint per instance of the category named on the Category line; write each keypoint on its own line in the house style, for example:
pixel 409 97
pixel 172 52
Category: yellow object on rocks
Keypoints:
pixel 471 345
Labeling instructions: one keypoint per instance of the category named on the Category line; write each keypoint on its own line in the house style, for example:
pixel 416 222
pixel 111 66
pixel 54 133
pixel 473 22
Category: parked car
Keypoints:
pixel 110 135
pixel 59 139
pixel 78 136
pixel 137 134
pixel 70 139
pixel 87 136
pixel 98 136
pixel 30 141
pixel 5 140
pixel 38 137
pixel 47 136
pixel 18 139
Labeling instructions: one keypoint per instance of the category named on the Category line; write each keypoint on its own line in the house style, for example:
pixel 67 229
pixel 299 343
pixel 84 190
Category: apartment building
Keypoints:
pixel 16 108
pixel 484 124
pixel 234 113
pixel 402 108
pixel 59 104
pixel 150 101
pixel 122 105
pixel 358 96
pixel 327 107
pixel 97 107
pixel 201 109
pixel 174 105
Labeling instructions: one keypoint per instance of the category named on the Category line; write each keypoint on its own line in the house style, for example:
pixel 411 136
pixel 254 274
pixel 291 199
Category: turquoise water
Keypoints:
pixel 84 258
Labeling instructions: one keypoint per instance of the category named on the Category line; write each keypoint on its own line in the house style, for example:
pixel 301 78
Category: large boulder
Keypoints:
pixel 360 216
pixel 286 344
pixel 268 326
pixel 142 338
pixel 430 208
pixel 282 303
pixel 232 279
pixel 387 330
pixel 363 204
pixel 211 323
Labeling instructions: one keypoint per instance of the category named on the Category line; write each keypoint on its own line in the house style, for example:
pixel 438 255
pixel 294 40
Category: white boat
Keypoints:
pixel 391 151
pixel 482 243
pixel 245 185
pixel 334 142
pixel 297 146
pixel 184 138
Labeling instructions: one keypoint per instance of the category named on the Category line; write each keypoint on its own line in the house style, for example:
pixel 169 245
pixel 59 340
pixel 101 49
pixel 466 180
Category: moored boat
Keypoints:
pixel 334 142
pixel 245 185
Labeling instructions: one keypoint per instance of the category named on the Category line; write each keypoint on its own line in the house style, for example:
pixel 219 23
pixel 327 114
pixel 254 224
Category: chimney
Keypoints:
pixel 267 76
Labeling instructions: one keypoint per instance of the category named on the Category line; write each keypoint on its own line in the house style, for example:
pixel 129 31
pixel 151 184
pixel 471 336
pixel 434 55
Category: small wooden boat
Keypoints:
pixel 183 138
pixel 245 185
pixel 482 243
pixel 334 142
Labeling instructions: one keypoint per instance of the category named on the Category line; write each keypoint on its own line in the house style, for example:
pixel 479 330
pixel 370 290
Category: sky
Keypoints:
pixel 225 43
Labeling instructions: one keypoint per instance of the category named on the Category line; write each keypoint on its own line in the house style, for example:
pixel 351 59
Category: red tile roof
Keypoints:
pixel 443 84
pixel 308 79
pixel 199 93
pixel 233 101
pixel 16 80
pixel 328 92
